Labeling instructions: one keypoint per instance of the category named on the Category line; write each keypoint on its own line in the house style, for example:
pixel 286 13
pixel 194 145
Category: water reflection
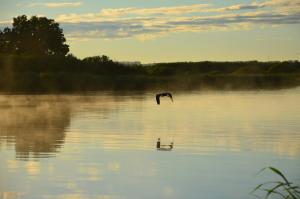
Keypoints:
pixel 34 125
pixel 105 145
pixel 197 123
pixel 38 126
pixel 10 195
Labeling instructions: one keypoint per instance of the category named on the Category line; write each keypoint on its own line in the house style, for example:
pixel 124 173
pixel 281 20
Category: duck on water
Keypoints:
pixel 161 147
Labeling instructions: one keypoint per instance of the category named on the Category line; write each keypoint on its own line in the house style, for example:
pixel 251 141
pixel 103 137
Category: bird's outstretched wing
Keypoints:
pixel 162 95
pixel 170 96
pixel 157 99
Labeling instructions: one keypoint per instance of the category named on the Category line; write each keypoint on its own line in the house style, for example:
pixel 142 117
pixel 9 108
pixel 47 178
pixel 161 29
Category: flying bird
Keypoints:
pixel 163 95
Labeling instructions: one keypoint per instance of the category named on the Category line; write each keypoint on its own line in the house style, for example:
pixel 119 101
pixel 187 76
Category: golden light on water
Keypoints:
pixel 33 168
pixel 12 165
pixel 70 141
pixel 202 124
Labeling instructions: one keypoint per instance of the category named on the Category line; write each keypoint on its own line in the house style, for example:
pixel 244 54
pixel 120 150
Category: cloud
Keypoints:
pixel 65 4
pixel 238 7
pixel 6 22
pixel 144 28
pixel 276 5
pixel 150 23
pixel 175 10
pixel 132 13
pixel 57 4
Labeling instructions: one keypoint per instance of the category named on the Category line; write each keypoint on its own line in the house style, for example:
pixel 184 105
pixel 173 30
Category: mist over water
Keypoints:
pixel 102 145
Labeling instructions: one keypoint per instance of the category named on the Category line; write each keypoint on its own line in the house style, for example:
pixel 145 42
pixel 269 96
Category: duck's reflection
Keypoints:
pixel 33 125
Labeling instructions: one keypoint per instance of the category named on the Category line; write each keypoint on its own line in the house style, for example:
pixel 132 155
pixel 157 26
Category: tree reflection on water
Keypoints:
pixel 35 126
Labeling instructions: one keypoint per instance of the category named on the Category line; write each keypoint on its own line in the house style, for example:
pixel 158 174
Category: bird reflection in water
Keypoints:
pixel 164 147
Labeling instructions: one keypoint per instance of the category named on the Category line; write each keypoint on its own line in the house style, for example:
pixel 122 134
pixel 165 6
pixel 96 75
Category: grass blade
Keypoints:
pixel 279 173
pixel 270 191
pixel 282 188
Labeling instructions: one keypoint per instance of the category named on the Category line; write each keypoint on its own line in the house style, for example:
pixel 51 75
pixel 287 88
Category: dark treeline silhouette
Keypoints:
pixel 34 58
pixel 25 73
pixel 221 68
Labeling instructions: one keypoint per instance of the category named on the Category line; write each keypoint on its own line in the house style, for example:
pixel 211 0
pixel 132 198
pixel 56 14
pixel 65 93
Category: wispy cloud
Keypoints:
pixel 196 9
pixel 149 23
pixel 157 26
pixel 176 10
pixel 6 22
pixel 57 4
pixel 66 4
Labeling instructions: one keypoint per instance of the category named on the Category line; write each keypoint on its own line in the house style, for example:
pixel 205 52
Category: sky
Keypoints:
pixel 171 30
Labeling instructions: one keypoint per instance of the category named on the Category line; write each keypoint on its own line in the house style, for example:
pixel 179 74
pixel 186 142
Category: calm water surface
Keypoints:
pixel 103 145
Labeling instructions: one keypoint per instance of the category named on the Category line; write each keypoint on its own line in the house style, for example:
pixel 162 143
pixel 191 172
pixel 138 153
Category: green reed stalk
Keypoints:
pixel 282 189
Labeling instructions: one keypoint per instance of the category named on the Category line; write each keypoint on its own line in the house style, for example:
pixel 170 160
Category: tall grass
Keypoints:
pixel 278 189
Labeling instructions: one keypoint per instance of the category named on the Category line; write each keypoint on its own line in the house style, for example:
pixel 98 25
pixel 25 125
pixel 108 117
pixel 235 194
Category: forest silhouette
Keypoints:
pixel 34 58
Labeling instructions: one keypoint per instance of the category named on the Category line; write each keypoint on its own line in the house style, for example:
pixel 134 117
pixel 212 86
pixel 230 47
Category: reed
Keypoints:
pixel 279 189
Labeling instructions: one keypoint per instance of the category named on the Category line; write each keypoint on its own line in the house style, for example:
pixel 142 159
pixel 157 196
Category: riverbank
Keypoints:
pixel 48 74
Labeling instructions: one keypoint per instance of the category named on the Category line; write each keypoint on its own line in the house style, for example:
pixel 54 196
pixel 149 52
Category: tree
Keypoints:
pixel 98 60
pixel 6 44
pixel 37 35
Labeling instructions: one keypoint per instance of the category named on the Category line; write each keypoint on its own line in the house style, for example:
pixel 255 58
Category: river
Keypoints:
pixel 102 145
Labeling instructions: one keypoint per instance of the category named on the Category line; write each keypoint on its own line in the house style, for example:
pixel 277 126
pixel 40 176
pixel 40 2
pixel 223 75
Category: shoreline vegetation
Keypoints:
pixel 35 58
pixel 59 74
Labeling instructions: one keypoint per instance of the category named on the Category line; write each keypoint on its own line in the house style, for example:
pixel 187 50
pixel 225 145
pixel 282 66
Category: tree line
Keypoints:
pixel 34 57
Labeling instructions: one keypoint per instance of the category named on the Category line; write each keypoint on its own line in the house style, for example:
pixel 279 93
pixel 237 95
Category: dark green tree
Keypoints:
pixel 98 60
pixel 6 44
pixel 37 35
